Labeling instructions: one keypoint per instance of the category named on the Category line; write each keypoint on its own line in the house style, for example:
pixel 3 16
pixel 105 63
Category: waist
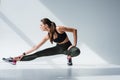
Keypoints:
pixel 65 45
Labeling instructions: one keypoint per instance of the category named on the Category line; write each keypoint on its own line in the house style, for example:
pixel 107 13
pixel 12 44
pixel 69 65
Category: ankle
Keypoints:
pixel 69 57
pixel 16 59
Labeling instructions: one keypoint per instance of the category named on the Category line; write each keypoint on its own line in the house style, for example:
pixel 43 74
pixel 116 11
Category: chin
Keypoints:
pixel 42 30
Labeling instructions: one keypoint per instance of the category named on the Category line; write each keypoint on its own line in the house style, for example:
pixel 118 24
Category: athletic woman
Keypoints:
pixel 55 34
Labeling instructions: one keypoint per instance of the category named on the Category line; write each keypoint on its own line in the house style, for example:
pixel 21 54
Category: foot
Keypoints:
pixel 10 60
pixel 70 62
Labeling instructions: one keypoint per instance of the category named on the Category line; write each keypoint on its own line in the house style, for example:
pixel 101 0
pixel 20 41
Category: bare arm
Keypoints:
pixel 72 30
pixel 33 48
pixel 38 45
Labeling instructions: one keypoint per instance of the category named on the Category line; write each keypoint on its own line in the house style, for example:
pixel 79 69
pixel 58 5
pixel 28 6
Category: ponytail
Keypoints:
pixel 52 27
pixel 52 31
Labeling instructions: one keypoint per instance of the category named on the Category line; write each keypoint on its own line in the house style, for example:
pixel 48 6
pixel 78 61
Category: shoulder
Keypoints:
pixel 46 37
pixel 60 29
pixel 65 29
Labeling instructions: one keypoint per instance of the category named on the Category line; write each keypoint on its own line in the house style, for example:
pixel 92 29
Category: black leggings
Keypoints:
pixel 58 49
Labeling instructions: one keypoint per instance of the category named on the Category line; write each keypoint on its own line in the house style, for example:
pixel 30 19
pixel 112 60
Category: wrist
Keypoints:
pixel 24 54
pixel 74 45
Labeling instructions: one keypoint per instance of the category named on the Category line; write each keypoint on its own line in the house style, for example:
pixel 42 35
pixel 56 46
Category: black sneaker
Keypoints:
pixel 9 60
pixel 70 62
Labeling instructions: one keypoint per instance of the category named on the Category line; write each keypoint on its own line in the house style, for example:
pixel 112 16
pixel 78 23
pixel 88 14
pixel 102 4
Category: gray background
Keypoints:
pixel 97 22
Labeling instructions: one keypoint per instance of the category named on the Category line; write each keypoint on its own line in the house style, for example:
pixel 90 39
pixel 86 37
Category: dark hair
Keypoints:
pixel 52 27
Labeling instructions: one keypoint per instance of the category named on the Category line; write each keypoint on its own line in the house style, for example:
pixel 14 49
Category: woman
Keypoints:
pixel 55 34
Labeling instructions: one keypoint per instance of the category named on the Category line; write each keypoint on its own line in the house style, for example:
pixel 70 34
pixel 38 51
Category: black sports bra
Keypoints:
pixel 60 37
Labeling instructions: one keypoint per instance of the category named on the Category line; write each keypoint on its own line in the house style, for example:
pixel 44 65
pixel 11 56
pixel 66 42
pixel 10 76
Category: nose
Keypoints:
pixel 40 26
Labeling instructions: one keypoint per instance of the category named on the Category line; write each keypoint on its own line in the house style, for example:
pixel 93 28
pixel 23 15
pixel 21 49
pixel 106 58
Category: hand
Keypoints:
pixel 70 47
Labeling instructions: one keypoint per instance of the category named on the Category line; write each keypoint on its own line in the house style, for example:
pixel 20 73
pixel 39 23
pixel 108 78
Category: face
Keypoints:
pixel 44 27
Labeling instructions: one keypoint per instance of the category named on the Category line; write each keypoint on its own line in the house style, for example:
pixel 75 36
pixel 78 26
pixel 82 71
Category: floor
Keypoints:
pixel 33 70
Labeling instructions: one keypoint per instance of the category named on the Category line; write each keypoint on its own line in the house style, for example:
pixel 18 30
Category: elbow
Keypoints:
pixel 35 47
pixel 75 30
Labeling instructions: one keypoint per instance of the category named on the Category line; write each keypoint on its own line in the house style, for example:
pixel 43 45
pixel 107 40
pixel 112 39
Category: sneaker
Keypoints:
pixel 10 60
pixel 70 62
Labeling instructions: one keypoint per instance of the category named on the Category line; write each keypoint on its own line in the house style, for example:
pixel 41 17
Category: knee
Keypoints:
pixel 74 51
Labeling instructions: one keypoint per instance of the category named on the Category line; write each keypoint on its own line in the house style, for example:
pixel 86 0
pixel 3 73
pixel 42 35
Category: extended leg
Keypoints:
pixel 46 52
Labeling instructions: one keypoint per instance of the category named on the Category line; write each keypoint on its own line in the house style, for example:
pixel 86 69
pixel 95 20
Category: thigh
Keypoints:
pixel 49 51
